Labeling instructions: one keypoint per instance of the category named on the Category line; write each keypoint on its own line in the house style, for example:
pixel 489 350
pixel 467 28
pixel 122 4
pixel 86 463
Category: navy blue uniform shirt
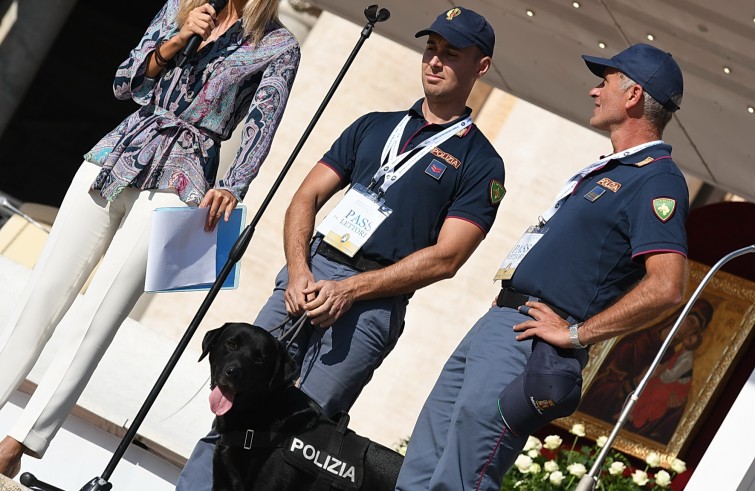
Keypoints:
pixel 461 178
pixel 593 250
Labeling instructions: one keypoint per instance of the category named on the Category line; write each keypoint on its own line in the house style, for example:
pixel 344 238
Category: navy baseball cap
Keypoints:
pixel 549 388
pixel 655 70
pixel 463 28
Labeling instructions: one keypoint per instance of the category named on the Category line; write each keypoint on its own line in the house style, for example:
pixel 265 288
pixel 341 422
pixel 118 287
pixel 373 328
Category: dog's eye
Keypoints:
pixel 231 345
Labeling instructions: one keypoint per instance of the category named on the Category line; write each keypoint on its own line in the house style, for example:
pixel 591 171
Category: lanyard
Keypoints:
pixel 391 159
pixel 572 183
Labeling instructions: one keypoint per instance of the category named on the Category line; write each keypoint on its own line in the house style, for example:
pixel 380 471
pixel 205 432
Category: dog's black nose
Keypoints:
pixel 233 373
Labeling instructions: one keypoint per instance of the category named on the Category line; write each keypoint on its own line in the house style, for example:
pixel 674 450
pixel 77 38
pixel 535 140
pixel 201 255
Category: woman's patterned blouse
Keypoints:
pixel 173 140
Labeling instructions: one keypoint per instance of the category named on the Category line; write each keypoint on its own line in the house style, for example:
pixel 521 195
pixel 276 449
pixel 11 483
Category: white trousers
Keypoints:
pixel 86 229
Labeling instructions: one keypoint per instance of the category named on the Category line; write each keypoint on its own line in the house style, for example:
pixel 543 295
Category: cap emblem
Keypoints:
pixel 542 405
pixel 453 13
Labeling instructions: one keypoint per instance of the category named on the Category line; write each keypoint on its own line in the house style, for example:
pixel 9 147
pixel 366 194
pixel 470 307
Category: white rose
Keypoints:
pixel 533 454
pixel 556 478
pixel 678 466
pixel 577 470
pixel 534 468
pixel 533 443
pixel 552 442
pixel 617 468
pixel 662 479
pixel 601 441
pixel 523 463
pixel 403 444
pixel 578 429
pixel 550 466
pixel 640 478
pixel 653 459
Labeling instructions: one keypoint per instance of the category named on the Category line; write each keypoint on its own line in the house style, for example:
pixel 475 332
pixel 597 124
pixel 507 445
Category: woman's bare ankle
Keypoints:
pixel 11 451
pixel 11 445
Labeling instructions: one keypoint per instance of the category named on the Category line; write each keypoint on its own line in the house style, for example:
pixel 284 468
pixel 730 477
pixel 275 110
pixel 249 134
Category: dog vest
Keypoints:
pixel 330 452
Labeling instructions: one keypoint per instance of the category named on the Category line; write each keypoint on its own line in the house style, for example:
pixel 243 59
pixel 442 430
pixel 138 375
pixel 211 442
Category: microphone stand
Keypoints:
pixel 590 480
pixel 5 203
pixel 100 483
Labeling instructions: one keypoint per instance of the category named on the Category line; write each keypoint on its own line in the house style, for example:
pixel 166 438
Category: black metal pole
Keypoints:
pixel 590 480
pixel 374 15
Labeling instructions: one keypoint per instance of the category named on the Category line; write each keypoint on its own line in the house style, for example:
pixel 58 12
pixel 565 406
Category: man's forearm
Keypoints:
pixel 456 242
pixel 415 271
pixel 297 232
pixel 651 297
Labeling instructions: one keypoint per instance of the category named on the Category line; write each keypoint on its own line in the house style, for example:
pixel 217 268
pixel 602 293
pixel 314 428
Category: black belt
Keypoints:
pixel 358 262
pixel 513 299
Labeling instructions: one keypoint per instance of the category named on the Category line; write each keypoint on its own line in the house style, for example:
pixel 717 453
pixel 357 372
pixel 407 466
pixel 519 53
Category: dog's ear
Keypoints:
pixel 209 340
pixel 285 368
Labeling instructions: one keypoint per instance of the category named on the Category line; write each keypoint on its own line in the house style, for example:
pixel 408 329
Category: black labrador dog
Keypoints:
pixel 272 435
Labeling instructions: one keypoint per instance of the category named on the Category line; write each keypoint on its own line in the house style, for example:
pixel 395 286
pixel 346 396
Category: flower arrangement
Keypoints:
pixel 549 465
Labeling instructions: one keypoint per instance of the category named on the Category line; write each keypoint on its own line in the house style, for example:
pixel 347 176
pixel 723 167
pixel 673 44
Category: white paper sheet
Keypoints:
pixel 181 253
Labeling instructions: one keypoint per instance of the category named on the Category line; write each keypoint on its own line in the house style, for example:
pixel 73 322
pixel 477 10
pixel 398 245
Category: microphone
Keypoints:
pixel 195 40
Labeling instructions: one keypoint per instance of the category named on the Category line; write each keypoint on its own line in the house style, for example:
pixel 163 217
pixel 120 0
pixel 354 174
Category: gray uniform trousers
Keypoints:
pixel 460 442
pixel 335 363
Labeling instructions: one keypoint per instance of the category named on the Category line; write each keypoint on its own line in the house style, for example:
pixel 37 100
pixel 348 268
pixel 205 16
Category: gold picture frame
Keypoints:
pixel 706 348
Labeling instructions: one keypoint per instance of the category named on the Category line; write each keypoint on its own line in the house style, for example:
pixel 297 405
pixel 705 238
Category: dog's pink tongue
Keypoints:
pixel 220 401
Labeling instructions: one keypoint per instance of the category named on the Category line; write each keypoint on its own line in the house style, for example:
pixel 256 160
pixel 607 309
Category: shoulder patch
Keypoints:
pixel 497 191
pixel 664 208
pixel 645 162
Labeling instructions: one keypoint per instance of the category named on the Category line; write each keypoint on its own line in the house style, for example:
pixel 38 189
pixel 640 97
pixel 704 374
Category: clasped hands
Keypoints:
pixel 323 302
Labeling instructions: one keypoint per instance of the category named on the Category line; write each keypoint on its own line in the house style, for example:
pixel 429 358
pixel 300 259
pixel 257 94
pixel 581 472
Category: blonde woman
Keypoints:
pixel 164 154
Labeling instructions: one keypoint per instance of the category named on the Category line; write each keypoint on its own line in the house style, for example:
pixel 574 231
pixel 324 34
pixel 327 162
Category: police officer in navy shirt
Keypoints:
pixel 607 257
pixel 423 191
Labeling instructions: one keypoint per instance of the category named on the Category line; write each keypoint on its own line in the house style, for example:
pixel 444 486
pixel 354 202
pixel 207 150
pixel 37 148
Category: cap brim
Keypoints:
pixel 457 40
pixel 598 65
pixel 423 32
pixel 518 414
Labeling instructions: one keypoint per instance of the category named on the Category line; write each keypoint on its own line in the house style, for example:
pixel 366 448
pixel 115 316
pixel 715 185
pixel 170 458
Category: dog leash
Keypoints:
pixel 292 332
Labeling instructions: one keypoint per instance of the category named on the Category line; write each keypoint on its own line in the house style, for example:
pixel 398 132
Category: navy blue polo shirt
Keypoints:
pixel 461 178
pixel 593 250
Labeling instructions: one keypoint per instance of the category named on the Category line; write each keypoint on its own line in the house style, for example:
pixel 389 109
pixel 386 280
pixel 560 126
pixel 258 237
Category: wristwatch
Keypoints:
pixel 574 336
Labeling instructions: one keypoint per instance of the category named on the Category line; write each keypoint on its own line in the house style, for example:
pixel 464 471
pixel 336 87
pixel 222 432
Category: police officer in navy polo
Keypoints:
pixel 423 191
pixel 608 257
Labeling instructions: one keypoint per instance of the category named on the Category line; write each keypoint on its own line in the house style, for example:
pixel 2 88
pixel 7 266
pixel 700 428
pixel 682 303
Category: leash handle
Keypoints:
pixel 293 331
pixel 279 327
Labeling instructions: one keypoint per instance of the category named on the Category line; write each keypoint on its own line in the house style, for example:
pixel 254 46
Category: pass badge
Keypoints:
pixel 354 219
pixel 525 244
